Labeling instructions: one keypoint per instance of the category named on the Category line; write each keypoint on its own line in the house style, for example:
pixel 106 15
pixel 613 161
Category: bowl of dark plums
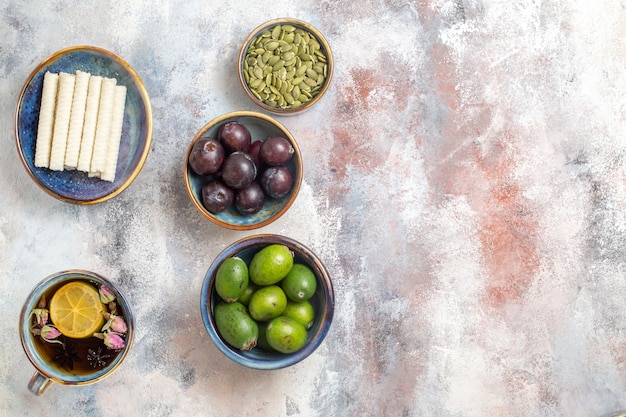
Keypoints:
pixel 243 170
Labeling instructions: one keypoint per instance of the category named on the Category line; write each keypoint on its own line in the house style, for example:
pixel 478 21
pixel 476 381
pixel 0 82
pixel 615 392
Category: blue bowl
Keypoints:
pixel 76 186
pixel 260 126
pixel 323 302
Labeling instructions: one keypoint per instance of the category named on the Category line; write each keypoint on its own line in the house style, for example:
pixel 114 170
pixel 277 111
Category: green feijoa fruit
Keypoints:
pixel 245 297
pixel 231 279
pixel 270 264
pixel 267 302
pixel 300 283
pixel 301 311
pixel 285 334
pixel 262 340
pixel 235 325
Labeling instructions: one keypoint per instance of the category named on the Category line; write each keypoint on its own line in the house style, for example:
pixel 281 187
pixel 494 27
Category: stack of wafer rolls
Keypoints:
pixel 80 124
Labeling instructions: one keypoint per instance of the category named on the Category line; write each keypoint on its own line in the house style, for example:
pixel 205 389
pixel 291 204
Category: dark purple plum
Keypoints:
pixel 238 170
pixel 235 137
pixel 250 200
pixel 277 181
pixel 206 156
pixel 275 151
pixel 253 151
pixel 217 196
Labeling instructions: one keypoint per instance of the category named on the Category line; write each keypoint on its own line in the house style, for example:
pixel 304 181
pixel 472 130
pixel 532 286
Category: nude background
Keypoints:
pixel 464 184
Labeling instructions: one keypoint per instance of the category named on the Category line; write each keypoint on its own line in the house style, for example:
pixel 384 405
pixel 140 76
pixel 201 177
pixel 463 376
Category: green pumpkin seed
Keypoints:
pixel 283 88
pixel 288 55
pixel 301 71
pixel 278 65
pixel 259 88
pixel 270 46
pixel 273 59
pixel 276 31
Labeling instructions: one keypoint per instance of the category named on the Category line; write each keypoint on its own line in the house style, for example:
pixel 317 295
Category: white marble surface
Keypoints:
pixel 464 184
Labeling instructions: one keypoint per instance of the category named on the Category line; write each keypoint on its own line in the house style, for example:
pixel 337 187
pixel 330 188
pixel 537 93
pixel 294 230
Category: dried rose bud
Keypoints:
pixel 41 316
pixel 115 323
pixel 106 295
pixel 118 325
pixel 49 333
pixel 113 341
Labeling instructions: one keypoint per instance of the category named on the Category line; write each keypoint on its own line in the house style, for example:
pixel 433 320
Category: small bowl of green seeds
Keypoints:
pixel 285 66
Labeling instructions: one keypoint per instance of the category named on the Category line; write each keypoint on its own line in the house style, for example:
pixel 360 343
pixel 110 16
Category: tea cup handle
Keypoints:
pixel 39 384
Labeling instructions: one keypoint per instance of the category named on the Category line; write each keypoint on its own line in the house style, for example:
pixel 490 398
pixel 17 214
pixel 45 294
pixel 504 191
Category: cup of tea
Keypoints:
pixel 76 328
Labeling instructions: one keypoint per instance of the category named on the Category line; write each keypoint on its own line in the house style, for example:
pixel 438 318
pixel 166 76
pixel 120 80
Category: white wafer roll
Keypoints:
pixel 89 125
pixel 103 128
pixel 61 120
pixel 46 119
pixel 117 121
pixel 77 119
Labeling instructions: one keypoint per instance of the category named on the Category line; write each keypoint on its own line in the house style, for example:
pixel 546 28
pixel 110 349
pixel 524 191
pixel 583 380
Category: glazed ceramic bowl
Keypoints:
pixel 260 126
pixel 285 66
pixel 323 302
pixel 74 186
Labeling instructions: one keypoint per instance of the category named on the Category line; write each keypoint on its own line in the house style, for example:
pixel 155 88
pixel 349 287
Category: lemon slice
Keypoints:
pixel 76 310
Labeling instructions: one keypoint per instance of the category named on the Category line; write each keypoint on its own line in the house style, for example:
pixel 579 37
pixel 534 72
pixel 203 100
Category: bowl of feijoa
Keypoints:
pixel 267 301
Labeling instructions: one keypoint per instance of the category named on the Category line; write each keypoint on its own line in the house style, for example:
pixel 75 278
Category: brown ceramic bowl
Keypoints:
pixel 270 69
pixel 260 126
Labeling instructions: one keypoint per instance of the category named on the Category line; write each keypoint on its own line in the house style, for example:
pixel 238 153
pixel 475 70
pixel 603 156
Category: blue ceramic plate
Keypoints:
pixel 260 126
pixel 76 186
pixel 323 302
